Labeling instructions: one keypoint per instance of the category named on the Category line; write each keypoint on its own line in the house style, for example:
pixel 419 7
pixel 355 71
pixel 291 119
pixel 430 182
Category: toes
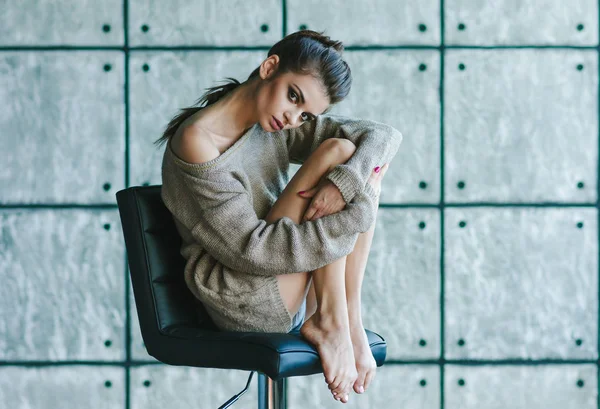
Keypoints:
pixel 339 396
pixel 360 380
pixel 342 390
pixel 348 388
pixel 369 378
pixel 336 386
pixel 335 383
pixel 330 379
pixel 342 397
pixel 358 385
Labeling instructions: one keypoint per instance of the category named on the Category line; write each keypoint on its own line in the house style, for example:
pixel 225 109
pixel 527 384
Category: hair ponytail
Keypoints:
pixel 211 96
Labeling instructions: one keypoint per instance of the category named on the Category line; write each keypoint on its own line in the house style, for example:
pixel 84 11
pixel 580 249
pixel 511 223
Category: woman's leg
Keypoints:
pixel 294 287
pixel 328 329
pixel 355 266
pixel 356 263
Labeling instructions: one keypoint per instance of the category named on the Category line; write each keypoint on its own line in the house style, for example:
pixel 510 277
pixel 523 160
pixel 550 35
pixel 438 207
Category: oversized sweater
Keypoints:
pixel 219 207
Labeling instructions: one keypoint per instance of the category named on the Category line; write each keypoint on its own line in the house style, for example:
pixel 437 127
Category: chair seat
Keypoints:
pixel 276 355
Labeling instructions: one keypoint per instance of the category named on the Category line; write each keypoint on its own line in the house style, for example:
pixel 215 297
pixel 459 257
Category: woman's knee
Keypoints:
pixel 338 149
pixel 346 147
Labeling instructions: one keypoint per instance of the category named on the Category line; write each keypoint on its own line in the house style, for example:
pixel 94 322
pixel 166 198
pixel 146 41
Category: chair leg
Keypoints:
pixel 236 397
pixel 271 394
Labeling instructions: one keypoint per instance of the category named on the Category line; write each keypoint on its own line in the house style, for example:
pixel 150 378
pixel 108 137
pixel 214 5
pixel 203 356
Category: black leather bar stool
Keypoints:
pixel 175 326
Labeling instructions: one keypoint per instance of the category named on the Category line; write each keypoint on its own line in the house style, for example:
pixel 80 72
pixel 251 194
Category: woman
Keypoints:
pixel 260 256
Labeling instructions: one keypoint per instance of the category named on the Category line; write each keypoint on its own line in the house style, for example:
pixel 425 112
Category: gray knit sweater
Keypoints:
pixel 219 208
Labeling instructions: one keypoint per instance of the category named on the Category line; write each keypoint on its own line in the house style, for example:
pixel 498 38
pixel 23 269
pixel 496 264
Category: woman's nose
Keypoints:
pixel 293 119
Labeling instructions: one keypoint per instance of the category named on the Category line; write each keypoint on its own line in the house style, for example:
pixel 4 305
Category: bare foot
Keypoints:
pixel 334 345
pixel 365 363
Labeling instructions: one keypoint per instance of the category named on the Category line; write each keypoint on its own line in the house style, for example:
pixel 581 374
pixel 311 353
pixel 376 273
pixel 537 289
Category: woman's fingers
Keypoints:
pixel 384 169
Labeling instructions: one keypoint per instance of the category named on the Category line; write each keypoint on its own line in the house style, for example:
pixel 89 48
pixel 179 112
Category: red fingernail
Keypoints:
pixel 301 192
pixel 377 169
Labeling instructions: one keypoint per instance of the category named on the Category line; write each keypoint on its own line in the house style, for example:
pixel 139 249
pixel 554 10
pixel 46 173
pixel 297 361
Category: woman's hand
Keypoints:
pixel 376 178
pixel 327 199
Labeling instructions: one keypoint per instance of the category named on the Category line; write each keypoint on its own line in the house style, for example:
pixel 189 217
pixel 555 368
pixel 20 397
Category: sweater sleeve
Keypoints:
pixel 222 219
pixel 376 144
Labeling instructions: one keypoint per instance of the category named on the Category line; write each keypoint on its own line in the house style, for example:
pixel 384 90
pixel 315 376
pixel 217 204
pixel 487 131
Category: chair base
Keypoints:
pixel 271 394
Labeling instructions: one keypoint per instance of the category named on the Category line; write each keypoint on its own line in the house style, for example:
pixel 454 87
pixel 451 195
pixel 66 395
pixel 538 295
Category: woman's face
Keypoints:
pixel 290 98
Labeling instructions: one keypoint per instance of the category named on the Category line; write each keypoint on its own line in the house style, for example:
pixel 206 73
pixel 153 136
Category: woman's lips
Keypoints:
pixel 278 125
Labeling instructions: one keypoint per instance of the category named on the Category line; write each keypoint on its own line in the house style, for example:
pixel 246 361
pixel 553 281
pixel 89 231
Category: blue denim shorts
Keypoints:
pixel 299 318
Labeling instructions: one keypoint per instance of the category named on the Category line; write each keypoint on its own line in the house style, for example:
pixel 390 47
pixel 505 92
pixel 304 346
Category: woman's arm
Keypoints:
pixel 219 213
pixel 376 144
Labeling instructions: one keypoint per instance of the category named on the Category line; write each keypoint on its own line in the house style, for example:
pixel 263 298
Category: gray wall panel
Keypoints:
pixel 401 288
pixel 374 22
pixel 521 283
pixel 159 386
pixel 63 292
pixel 213 23
pixel 48 22
pixel 521 125
pixel 65 387
pixel 521 387
pixel 508 22
pixel 406 386
pixel 63 123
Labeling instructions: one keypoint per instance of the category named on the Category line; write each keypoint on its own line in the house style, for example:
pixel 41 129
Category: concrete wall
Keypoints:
pixel 483 275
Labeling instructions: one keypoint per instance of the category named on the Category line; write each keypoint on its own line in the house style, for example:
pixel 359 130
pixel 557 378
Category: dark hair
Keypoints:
pixel 303 52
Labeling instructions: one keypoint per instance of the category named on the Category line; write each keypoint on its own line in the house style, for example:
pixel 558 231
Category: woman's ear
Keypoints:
pixel 269 66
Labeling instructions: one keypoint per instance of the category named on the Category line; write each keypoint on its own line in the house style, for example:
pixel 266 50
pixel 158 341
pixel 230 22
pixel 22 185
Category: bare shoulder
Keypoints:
pixel 194 146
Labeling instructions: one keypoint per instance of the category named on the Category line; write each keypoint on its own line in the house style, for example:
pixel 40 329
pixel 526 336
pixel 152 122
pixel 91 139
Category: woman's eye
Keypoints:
pixel 295 97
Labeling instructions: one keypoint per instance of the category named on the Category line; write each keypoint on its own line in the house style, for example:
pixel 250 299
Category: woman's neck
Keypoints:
pixel 232 115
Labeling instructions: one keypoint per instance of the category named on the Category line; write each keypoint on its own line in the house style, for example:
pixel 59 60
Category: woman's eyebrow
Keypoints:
pixel 303 100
